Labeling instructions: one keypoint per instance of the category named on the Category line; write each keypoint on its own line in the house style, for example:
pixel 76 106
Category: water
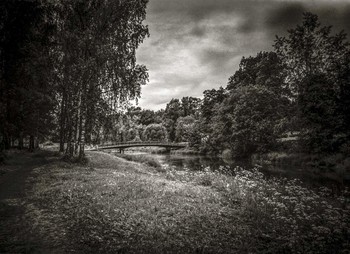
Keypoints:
pixel 182 162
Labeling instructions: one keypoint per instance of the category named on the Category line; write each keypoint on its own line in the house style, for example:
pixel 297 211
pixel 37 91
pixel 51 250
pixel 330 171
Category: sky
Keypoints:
pixel 195 45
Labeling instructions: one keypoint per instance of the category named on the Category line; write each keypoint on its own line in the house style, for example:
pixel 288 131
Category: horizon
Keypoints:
pixel 197 45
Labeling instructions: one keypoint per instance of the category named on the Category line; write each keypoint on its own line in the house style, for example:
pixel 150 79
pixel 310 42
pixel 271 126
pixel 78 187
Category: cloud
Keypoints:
pixel 197 44
pixel 198 31
pixel 286 16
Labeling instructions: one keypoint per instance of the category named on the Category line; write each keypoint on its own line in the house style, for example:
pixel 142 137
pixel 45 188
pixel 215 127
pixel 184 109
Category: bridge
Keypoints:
pixel 123 145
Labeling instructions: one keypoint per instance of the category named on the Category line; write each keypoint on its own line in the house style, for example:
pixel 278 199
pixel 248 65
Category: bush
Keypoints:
pixel 155 132
pixel 288 218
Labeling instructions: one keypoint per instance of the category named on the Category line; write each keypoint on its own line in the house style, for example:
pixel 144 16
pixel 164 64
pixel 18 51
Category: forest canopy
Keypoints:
pixel 66 66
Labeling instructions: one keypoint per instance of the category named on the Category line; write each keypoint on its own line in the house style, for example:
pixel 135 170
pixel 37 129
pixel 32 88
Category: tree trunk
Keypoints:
pixel 82 111
pixel 31 143
pixel 36 144
pixel 20 141
pixel 7 143
pixel 63 117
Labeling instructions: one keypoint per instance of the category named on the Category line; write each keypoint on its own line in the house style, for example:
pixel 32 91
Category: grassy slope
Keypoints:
pixel 112 205
pixel 115 206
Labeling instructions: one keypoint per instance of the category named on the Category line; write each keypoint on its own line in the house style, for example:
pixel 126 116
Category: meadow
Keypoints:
pixel 111 205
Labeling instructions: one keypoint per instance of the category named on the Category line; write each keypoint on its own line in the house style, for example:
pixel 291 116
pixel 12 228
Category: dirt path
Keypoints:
pixel 14 234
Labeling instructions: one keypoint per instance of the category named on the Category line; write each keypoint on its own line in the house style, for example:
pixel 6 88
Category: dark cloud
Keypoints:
pixel 217 59
pixel 338 17
pixel 198 44
pixel 247 25
pixel 198 31
pixel 196 9
pixel 346 18
pixel 284 16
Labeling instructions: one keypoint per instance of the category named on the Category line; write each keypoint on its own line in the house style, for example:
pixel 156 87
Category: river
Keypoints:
pixel 182 162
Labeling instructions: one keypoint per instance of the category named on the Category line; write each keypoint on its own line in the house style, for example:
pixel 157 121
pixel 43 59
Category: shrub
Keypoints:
pixel 289 218
pixel 155 132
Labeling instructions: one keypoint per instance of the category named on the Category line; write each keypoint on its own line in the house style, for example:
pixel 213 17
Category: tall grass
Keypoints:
pixel 142 158
pixel 111 206
pixel 280 215
pixel 288 218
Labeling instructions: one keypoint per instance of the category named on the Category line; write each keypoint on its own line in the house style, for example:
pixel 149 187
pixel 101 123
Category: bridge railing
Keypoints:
pixel 123 145
pixel 142 142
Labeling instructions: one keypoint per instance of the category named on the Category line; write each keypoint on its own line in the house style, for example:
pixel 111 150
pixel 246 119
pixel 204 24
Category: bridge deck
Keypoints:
pixel 141 144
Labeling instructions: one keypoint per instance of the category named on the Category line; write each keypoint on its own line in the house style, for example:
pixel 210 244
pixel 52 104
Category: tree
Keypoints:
pixel 318 111
pixel 265 69
pixel 252 112
pixel 343 103
pixel 27 90
pixel 246 120
pixel 190 105
pixel 184 127
pixel 211 98
pixel 147 117
pixel 315 60
pixel 172 112
pixel 311 50
pixel 155 132
pixel 97 41
pixel 195 136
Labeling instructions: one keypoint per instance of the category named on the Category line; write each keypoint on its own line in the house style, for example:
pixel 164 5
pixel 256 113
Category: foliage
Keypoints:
pixel 243 117
pixel 195 136
pixel 291 218
pixel 103 38
pixel 254 118
pixel 133 135
pixel 318 115
pixel 27 94
pixel 315 61
pixel 264 69
pixel 172 112
pixel 211 98
pixel 300 87
pixel 68 66
pixel 311 50
pixel 190 105
pixel 155 132
pixel 184 126
pixel 175 109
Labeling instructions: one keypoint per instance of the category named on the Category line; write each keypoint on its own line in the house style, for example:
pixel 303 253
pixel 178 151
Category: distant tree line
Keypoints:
pixel 134 124
pixel 66 67
pixel 302 87
pixel 300 90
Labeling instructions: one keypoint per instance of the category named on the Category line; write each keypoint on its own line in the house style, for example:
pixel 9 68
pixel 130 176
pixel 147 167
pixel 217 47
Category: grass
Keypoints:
pixel 141 158
pixel 111 205
pixel 185 151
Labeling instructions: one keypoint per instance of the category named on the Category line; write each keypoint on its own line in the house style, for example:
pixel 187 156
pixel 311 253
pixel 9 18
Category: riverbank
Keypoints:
pixel 111 205
pixel 335 167
pixel 161 150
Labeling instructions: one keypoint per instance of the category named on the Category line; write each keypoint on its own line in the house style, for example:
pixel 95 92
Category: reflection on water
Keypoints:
pixel 196 163
pixel 206 163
